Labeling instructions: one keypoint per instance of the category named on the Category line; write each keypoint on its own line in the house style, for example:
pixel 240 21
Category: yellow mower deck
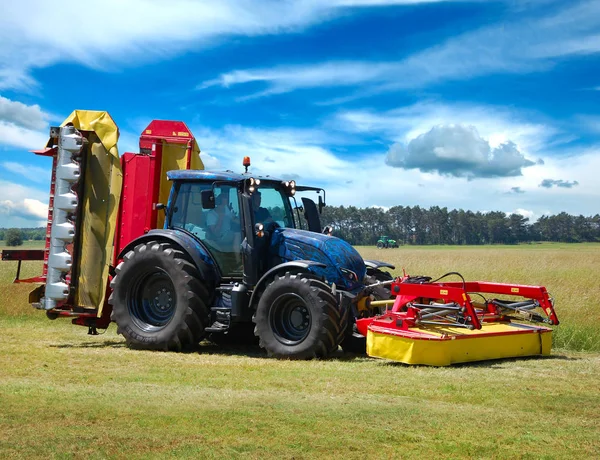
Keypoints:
pixel 443 346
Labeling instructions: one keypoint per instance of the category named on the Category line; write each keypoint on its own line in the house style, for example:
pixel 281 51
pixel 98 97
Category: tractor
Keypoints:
pixel 216 268
pixel 386 242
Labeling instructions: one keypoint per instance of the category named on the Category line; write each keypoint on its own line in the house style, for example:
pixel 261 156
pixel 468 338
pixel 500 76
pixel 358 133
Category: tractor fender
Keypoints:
pixel 378 264
pixel 282 268
pixel 189 245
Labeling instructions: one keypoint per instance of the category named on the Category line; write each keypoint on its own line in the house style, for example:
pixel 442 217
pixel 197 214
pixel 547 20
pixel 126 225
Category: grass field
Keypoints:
pixel 69 395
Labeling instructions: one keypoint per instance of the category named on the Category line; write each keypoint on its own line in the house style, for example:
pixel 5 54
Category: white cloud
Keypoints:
pixel 22 125
pixel 274 152
pixel 17 136
pixel 317 157
pixel 459 151
pixel 284 79
pixel 22 206
pixel 38 33
pixel 526 45
pixel 28 209
pixel 19 114
pixel 498 125
pixel 526 213
pixel 34 173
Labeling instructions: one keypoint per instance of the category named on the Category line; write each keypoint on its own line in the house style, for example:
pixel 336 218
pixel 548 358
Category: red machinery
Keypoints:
pixel 80 256
pixel 439 323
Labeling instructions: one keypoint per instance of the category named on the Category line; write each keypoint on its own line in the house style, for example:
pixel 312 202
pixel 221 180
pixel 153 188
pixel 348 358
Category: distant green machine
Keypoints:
pixel 386 242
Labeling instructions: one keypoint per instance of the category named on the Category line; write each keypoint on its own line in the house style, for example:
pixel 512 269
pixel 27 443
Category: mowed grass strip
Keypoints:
pixel 63 393
pixel 66 394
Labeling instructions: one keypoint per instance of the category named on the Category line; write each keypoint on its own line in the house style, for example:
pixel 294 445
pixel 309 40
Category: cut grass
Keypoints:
pixel 66 394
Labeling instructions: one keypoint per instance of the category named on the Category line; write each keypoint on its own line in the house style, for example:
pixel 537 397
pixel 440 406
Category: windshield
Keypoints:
pixel 271 205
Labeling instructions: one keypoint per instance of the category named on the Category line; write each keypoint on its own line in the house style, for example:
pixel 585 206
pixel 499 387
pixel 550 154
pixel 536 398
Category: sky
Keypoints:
pixel 476 105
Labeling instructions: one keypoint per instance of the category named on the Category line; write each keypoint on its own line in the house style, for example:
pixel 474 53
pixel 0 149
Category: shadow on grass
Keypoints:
pixel 490 363
pixel 206 347
pixel 104 344
pixel 254 351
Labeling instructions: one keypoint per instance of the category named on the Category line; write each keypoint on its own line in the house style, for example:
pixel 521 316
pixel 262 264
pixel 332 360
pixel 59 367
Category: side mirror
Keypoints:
pixel 328 230
pixel 159 206
pixel 321 204
pixel 208 199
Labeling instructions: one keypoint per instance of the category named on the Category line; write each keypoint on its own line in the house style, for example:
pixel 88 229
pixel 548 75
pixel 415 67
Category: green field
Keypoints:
pixel 66 394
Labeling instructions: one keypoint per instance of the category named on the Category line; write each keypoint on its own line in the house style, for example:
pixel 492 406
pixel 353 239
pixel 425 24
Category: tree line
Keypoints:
pixel 16 236
pixel 421 226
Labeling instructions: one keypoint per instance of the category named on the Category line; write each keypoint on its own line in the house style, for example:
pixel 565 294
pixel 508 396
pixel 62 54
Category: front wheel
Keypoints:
pixel 298 318
pixel 158 299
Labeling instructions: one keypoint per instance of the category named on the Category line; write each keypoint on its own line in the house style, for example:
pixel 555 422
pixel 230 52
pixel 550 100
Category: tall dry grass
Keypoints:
pixel 570 272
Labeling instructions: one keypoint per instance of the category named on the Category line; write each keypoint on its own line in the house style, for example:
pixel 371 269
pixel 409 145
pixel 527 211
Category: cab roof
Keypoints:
pixel 227 176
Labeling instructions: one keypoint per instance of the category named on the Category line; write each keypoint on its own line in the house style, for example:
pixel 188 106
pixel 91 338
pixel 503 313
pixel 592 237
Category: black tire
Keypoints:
pixel 379 245
pixel 354 342
pixel 298 317
pixel 158 299
pixel 380 292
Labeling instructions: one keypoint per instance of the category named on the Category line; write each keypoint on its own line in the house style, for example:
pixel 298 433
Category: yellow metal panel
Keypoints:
pixel 476 346
pixel 102 181
pixel 174 156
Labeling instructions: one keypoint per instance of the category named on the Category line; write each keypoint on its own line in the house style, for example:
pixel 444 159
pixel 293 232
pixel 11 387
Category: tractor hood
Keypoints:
pixel 345 266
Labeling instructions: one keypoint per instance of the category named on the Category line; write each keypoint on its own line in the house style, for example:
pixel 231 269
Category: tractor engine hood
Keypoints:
pixel 345 266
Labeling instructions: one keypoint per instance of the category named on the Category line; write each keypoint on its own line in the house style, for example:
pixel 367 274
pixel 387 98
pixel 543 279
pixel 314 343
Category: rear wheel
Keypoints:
pixel 379 245
pixel 158 299
pixel 298 318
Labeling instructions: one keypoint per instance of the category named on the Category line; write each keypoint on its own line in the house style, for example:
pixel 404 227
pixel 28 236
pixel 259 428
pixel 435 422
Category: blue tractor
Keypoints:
pixel 238 254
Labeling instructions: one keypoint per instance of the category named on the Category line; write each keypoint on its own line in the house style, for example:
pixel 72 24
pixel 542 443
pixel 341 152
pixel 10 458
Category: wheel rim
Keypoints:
pixel 290 319
pixel 152 300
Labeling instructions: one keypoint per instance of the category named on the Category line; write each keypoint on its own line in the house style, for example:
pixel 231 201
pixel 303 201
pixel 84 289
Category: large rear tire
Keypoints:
pixel 159 301
pixel 298 317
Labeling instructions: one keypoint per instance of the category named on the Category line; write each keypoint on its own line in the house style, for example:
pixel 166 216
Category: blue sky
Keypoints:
pixel 480 105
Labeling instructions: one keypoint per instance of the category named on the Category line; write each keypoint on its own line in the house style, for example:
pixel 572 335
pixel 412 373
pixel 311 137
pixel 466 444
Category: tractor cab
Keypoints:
pixel 238 218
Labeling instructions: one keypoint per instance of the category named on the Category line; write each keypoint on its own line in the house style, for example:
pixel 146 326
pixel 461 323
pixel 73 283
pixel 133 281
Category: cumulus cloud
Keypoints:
pixel 19 114
pixel 525 213
pixel 28 209
pixel 22 206
pixel 458 151
pixel 549 183
pixel 22 125
pixel 529 130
